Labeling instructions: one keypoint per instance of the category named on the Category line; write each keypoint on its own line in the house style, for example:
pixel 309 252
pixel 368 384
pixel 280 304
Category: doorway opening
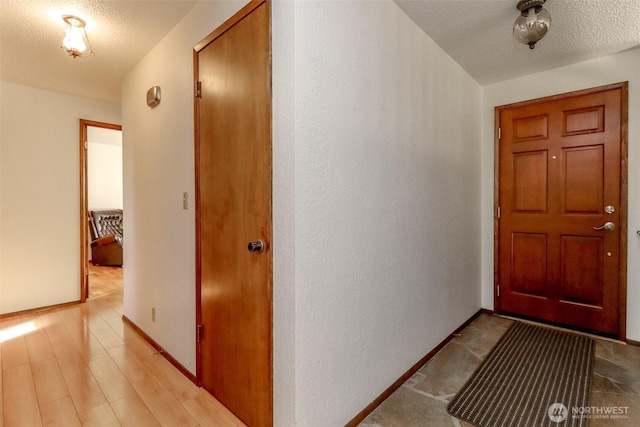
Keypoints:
pixel 561 210
pixel 101 208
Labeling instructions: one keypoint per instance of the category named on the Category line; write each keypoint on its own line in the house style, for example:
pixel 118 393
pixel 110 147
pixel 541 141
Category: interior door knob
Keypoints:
pixel 257 246
pixel 609 226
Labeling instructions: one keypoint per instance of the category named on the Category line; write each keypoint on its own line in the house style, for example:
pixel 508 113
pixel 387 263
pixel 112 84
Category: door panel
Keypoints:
pixel 234 208
pixel 528 128
pixel 581 270
pixel 529 264
pixel 559 166
pixel 585 120
pixel 530 181
pixel 583 180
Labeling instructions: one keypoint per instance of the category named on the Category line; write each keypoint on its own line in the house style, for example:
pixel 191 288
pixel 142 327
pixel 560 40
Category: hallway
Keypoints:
pixel 82 365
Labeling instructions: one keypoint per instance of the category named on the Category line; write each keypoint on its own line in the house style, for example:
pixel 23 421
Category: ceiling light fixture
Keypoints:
pixel 533 23
pixel 76 42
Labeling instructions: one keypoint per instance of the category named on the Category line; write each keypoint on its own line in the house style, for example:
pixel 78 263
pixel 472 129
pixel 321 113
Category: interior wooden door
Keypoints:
pixel 233 153
pixel 559 249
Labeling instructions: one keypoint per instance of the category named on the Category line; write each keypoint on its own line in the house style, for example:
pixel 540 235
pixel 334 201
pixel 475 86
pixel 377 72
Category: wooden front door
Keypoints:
pixel 561 209
pixel 233 167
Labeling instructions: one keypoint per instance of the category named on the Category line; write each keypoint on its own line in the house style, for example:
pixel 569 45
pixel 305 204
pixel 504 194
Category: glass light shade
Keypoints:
pixel 76 42
pixel 73 40
pixel 531 28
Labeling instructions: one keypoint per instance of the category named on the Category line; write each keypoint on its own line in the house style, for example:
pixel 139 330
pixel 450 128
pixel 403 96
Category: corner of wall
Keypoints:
pixel 284 227
pixel 158 145
pixel 39 168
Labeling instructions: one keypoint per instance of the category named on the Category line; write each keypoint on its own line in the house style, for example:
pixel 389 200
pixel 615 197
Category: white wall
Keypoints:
pixel 375 200
pixel 149 133
pixel 40 203
pixel 599 72
pixel 387 195
pixel 158 167
pixel 1 138
pixel 283 203
pixel 104 168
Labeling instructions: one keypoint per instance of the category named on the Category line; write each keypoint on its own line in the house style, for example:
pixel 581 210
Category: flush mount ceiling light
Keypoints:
pixel 76 42
pixel 533 23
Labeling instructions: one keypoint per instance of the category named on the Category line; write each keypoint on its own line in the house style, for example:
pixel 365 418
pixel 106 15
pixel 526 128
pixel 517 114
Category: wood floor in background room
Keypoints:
pixel 422 400
pixel 104 280
pixel 82 366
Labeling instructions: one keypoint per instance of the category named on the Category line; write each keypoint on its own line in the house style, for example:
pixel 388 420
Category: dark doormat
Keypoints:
pixel 534 376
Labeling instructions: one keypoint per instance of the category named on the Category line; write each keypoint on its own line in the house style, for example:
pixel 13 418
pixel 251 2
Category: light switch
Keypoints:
pixel 185 200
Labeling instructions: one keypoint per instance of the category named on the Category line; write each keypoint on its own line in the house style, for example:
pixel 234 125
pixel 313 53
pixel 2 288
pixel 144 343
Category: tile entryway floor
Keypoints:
pixel 422 400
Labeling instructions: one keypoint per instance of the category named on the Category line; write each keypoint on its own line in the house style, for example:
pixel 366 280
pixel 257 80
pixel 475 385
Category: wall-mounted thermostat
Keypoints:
pixel 153 96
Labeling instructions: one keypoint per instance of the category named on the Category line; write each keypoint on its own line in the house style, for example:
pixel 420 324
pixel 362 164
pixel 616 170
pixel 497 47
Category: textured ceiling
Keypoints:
pixel 121 33
pixel 478 33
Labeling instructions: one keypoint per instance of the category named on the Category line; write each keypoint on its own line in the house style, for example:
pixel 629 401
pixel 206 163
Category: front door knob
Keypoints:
pixel 257 246
pixel 609 226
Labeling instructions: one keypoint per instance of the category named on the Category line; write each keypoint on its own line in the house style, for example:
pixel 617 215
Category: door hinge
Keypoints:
pixel 86 145
pixel 198 89
pixel 499 133
pixel 498 290
pixel 498 212
pixel 198 333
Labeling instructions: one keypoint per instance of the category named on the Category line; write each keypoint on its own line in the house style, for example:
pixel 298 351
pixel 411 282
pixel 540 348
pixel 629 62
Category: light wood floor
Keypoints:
pixel 104 280
pixel 81 365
